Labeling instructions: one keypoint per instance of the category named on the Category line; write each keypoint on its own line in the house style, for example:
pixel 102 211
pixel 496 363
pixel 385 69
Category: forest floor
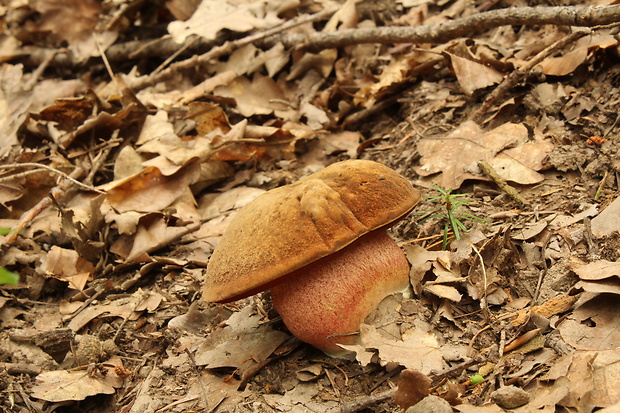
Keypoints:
pixel 118 176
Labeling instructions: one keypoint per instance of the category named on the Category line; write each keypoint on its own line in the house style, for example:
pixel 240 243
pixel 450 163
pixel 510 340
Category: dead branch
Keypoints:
pixel 580 16
pixel 501 183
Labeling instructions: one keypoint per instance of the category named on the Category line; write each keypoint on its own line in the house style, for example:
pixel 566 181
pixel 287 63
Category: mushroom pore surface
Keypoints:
pixel 334 296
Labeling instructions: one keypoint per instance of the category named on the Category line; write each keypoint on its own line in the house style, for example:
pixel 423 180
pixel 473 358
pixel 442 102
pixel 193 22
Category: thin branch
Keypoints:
pixel 580 16
pixel 47 168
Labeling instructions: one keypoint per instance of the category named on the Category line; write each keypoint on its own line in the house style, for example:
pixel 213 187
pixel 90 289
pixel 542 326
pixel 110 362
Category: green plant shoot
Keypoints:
pixel 8 277
pixel 449 211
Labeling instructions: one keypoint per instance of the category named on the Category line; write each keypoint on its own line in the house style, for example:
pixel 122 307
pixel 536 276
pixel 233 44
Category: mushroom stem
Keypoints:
pixel 325 304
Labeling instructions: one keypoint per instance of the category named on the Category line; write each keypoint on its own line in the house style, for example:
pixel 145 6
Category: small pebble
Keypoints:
pixel 510 397
pixel 431 404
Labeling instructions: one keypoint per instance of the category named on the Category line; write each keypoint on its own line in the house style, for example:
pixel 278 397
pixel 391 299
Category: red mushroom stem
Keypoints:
pixel 325 304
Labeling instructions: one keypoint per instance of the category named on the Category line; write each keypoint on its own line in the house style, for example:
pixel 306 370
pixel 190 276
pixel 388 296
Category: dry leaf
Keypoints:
pixel 596 270
pixel 61 385
pixel 67 265
pixel 413 387
pixel 14 105
pixel 260 96
pixel 69 20
pixel 245 342
pixel 444 291
pixel 417 351
pixel 211 16
pixel 444 164
pixel 473 75
pixel 608 220
pixel 150 190
pixel 567 62
pixel 421 262
pixel 595 325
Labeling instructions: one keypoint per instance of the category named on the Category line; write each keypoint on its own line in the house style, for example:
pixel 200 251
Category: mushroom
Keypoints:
pixel 320 245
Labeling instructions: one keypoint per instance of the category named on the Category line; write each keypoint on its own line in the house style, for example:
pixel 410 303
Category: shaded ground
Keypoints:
pixel 107 313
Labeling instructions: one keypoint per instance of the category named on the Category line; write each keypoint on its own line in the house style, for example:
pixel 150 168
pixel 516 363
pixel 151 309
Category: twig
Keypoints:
pixel 613 125
pixel 452 371
pixel 367 401
pixel 578 16
pixel 521 340
pixel 99 160
pixel 601 186
pixel 36 74
pixel 344 374
pixel 470 346
pixel 543 272
pixel 501 183
pixel 31 407
pixel 174 55
pixel 47 168
pixel 593 248
pixel 84 306
pixel 483 301
pixel 202 385
pixel 15 369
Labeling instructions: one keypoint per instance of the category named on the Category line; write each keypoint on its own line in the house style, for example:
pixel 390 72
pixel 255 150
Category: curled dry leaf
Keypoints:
pixel 472 75
pixel 566 63
pixel 67 265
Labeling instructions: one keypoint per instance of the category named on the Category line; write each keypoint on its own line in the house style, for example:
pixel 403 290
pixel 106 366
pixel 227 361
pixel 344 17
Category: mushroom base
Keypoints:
pixel 325 304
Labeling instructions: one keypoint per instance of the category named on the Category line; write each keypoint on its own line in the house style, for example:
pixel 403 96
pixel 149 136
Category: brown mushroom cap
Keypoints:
pixel 290 227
